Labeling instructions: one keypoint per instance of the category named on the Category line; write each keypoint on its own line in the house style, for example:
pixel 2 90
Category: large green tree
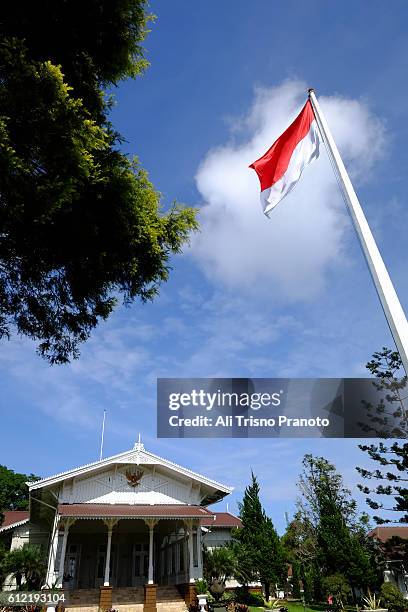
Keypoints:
pixel 300 551
pixel 258 548
pixel 387 490
pixel 329 524
pixel 13 490
pixel 81 225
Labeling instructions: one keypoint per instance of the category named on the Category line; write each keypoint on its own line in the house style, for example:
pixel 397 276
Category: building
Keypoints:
pixel 217 529
pixel 126 531
pixel 393 541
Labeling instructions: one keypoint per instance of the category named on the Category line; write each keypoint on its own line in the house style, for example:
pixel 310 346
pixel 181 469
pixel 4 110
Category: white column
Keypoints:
pixel 67 525
pixel 150 579
pixel 151 525
pixel 189 526
pixel 199 553
pixel 108 556
pixel 52 553
pixel 110 523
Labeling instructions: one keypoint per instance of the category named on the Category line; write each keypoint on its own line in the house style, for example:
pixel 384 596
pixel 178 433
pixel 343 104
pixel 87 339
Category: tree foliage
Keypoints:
pixel 389 417
pixel 219 565
pixel 392 597
pixel 390 478
pixel 27 564
pixel 337 586
pixel 80 223
pixel 258 548
pixel 329 536
pixel 13 490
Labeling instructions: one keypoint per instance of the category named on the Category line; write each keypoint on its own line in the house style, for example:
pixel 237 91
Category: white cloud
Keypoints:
pixel 288 255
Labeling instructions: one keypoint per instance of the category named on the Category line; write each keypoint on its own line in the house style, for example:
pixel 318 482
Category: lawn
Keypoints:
pixel 293 607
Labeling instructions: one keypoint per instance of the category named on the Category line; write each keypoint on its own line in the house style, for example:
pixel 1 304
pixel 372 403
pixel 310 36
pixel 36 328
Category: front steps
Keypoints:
pixel 83 600
pixel 169 600
pixel 126 599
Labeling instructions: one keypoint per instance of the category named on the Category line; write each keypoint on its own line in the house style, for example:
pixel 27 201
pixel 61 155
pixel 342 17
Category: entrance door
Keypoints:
pixel 140 564
pixel 100 566
pixel 71 567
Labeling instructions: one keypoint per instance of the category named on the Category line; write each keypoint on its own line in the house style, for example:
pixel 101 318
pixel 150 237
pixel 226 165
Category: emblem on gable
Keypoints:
pixel 134 478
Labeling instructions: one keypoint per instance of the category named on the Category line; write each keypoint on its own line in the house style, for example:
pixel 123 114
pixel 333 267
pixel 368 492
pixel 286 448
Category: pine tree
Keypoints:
pixel 389 418
pixel 394 457
pixel 258 547
pixel 336 531
pixel 391 476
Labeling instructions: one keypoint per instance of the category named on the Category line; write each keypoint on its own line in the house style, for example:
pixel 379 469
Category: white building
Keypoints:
pixel 126 531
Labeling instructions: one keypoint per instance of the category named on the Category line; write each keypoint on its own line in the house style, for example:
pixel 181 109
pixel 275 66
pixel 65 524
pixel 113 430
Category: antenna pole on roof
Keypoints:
pixel 102 435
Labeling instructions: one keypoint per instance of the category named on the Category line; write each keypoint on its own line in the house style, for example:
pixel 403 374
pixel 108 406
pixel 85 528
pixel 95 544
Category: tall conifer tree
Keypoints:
pixel 259 550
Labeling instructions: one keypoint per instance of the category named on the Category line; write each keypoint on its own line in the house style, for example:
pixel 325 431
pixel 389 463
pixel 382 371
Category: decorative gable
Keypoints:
pixel 133 477
pixel 123 484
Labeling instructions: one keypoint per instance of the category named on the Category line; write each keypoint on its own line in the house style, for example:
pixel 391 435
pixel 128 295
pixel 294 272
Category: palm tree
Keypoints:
pixel 2 570
pixel 28 563
pixel 219 565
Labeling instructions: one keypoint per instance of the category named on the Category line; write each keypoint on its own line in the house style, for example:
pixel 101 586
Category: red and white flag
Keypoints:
pixel 280 168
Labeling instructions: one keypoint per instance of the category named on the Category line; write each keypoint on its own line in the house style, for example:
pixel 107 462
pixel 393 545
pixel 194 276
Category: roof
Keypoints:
pixel 132 511
pixel 221 519
pixel 14 518
pixel 383 534
pixel 139 456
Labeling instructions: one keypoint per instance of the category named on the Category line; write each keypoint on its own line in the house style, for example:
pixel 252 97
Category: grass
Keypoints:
pixel 292 607
pixel 297 606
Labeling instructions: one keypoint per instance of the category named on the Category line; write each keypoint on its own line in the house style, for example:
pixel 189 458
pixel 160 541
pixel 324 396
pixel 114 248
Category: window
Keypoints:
pixel 181 556
pixel 195 552
pixel 101 567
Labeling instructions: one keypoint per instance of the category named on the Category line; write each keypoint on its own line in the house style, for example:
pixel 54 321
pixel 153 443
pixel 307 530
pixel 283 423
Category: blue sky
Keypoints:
pixel 289 296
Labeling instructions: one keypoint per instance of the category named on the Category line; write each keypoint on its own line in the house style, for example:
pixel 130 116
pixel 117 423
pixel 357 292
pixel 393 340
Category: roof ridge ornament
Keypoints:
pixel 139 447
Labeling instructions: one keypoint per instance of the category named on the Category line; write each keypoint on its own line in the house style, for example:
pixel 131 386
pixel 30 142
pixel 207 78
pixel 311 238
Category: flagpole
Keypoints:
pixel 388 297
pixel 102 435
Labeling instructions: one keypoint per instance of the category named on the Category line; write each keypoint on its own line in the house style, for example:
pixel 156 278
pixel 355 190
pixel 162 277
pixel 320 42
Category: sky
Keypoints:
pixel 288 296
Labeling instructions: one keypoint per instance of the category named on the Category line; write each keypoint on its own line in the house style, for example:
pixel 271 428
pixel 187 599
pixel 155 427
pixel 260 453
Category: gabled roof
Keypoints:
pixel 221 519
pixel 383 534
pixel 139 456
pixel 14 518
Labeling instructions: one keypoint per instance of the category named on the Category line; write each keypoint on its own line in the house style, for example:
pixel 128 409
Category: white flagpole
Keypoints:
pixel 388 297
pixel 102 435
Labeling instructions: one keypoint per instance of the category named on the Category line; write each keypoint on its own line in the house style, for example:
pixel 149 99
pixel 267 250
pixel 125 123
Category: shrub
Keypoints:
pixel 274 604
pixel 201 586
pixel 255 599
pixel 243 595
pixel 392 598
pixel 338 586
